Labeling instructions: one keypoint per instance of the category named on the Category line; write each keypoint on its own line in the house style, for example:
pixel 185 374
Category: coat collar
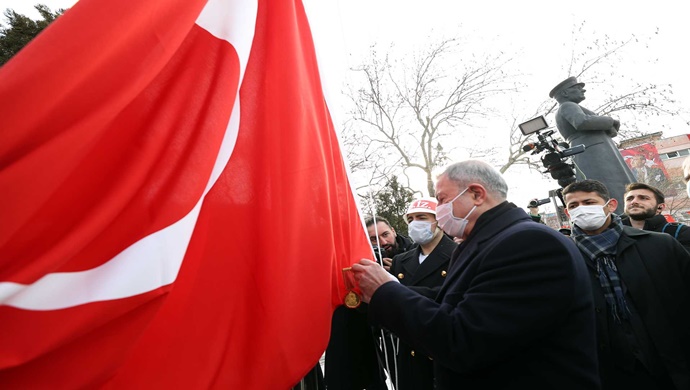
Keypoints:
pixel 654 223
pixel 436 259
pixel 489 225
pixel 494 221
pixel 628 237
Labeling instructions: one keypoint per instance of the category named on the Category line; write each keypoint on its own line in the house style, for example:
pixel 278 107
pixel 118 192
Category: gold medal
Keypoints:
pixel 352 300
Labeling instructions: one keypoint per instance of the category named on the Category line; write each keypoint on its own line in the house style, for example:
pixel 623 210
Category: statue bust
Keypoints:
pixel 601 160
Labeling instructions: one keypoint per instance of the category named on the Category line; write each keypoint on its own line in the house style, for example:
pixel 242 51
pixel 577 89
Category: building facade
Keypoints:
pixel 658 162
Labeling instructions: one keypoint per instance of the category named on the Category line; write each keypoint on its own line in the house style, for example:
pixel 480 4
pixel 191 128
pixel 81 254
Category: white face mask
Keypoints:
pixel 451 224
pixel 590 217
pixel 688 188
pixel 420 232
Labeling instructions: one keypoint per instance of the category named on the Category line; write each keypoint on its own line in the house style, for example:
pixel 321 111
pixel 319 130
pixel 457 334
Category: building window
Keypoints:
pixel 677 153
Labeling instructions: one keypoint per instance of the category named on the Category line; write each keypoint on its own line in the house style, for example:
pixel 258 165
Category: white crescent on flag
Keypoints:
pixel 155 260
pixel 179 211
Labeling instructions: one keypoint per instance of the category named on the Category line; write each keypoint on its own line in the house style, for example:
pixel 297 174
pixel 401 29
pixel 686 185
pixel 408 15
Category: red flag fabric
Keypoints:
pixel 175 207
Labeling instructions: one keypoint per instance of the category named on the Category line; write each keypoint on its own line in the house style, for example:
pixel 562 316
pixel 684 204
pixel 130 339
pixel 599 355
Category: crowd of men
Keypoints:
pixel 517 304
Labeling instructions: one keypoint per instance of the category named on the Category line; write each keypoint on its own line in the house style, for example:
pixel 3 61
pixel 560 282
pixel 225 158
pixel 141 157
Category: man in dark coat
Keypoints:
pixel 515 310
pixel 643 207
pixel 601 160
pixel 422 269
pixel 641 286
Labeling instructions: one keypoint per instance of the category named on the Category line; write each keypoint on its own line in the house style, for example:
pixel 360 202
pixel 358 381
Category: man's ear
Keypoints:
pixel 478 193
pixel 660 207
pixel 612 205
pixel 565 210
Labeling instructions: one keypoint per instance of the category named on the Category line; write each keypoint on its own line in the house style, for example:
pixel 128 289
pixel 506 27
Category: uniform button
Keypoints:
pixel 443 273
pixel 430 358
pixel 401 275
pixel 412 352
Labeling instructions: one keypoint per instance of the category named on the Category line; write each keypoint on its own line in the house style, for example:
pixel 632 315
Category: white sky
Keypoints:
pixel 539 31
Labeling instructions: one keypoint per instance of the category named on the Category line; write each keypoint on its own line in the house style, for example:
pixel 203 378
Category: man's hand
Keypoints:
pixel 387 262
pixel 370 276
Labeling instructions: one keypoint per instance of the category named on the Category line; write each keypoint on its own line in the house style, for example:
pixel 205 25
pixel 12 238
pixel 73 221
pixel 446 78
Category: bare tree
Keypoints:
pixel 595 61
pixel 409 112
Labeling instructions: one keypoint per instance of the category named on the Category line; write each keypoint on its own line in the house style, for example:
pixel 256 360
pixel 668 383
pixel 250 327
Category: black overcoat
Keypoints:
pixel 416 370
pixel 655 270
pixel 515 310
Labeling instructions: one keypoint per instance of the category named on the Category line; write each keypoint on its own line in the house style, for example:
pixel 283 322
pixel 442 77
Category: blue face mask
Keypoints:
pixel 420 232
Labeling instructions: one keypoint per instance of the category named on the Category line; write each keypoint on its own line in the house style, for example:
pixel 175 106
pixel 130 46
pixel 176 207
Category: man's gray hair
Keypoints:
pixel 474 171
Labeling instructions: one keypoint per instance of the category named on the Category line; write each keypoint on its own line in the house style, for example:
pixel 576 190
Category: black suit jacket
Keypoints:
pixel 514 312
pixel 415 370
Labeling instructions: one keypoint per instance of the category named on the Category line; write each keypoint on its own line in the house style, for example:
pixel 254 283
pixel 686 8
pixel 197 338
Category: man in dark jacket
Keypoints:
pixel 515 310
pixel 641 286
pixel 422 269
pixel 643 207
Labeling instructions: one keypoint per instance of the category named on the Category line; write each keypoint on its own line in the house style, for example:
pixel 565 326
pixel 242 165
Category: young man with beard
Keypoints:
pixel 643 207
pixel 422 269
pixel 383 235
pixel 641 286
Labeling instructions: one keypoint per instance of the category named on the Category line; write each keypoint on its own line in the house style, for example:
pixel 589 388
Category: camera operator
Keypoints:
pixel 533 207
pixel 391 243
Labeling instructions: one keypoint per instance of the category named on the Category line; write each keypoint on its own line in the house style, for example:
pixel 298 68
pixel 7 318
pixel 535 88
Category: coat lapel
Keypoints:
pixel 410 263
pixel 433 263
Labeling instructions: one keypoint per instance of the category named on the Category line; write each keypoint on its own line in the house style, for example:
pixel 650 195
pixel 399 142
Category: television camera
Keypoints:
pixel 555 161
pixel 556 153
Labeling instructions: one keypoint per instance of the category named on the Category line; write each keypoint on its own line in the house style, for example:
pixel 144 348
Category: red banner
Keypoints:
pixel 175 207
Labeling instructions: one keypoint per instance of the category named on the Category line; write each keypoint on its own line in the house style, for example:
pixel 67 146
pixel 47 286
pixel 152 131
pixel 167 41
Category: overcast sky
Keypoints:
pixel 539 32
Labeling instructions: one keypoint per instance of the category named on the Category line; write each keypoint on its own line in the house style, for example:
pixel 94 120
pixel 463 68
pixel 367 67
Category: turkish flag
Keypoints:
pixel 175 210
